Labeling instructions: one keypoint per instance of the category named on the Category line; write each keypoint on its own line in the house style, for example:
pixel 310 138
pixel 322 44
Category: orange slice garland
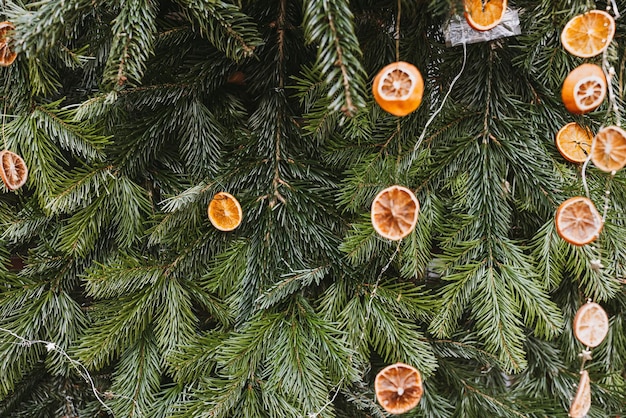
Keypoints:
pixel 398 388
pixel 398 88
pixel 608 150
pixel 582 401
pixel 578 221
pixel 7 55
pixel 483 15
pixel 584 89
pixel 225 212
pixel 588 34
pixel 591 324
pixel 13 170
pixel 394 212
pixel 574 142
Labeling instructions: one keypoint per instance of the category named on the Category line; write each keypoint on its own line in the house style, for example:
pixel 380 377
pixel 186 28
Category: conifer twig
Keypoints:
pixel 349 107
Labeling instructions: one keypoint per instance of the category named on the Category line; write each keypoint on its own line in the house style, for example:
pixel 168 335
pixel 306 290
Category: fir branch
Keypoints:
pixel 137 378
pixel 121 208
pixel 330 24
pixel 40 154
pixel 225 26
pixel 36 32
pixel 80 138
pixel 133 41
pixel 291 283
pixel 79 189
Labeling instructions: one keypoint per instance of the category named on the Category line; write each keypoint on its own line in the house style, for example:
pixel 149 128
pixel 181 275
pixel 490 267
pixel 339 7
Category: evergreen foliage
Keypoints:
pixel 119 298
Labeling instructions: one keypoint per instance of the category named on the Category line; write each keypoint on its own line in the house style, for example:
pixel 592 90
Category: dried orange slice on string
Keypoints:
pixel 588 34
pixel 608 149
pixel 7 55
pixel 574 142
pixel 582 401
pixel 398 388
pixel 483 15
pixel 13 170
pixel 398 88
pixel 225 212
pixel 591 324
pixel 578 221
pixel 394 212
pixel 584 89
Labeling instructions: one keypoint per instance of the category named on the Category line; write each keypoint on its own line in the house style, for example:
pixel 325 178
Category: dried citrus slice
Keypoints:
pixel 7 56
pixel 398 88
pixel 582 402
pixel 578 221
pixel 398 388
pixel 591 324
pixel 13 170
pixel 584 89
pixel 588 34
pixel 394 212
pixel 574 142
pixel 225 212
pixel 608 150
pixel 483 15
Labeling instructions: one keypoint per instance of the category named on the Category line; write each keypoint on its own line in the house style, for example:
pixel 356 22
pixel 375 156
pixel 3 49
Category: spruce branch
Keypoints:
pixel 330 24
pixel 44 23
pixel 133 33
pixel 81 138
pixel 225 26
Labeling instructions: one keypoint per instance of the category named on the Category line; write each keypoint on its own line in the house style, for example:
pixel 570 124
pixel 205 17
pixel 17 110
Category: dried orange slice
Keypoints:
pixel 394 212
pixel 574 142
pixel 608 150
pixel 483 15
pixel 578 221
pixel 582 402
pixel 225 212
pixel 13 170
pixel 398 88
pixel 588 34
pixel 398 388
pixel 591 324
pixel 7 56
pixel 584 89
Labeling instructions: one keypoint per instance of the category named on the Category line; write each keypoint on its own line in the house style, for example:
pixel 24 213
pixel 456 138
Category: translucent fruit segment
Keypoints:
pixel 589 92
pixel 13 170
pixel 582 401
pixel 589 34
pixel 591 324
pixel 574 142
pixel 396 84
pixel 483 15
pixel 398 388
pixel 578 221
pixel 225 212
pixel 394 212
pixel 608 152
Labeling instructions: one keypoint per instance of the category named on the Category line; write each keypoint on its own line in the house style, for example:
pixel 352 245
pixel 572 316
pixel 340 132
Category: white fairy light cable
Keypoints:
pixel 615 10
pixel 443 102
pixel 82 370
